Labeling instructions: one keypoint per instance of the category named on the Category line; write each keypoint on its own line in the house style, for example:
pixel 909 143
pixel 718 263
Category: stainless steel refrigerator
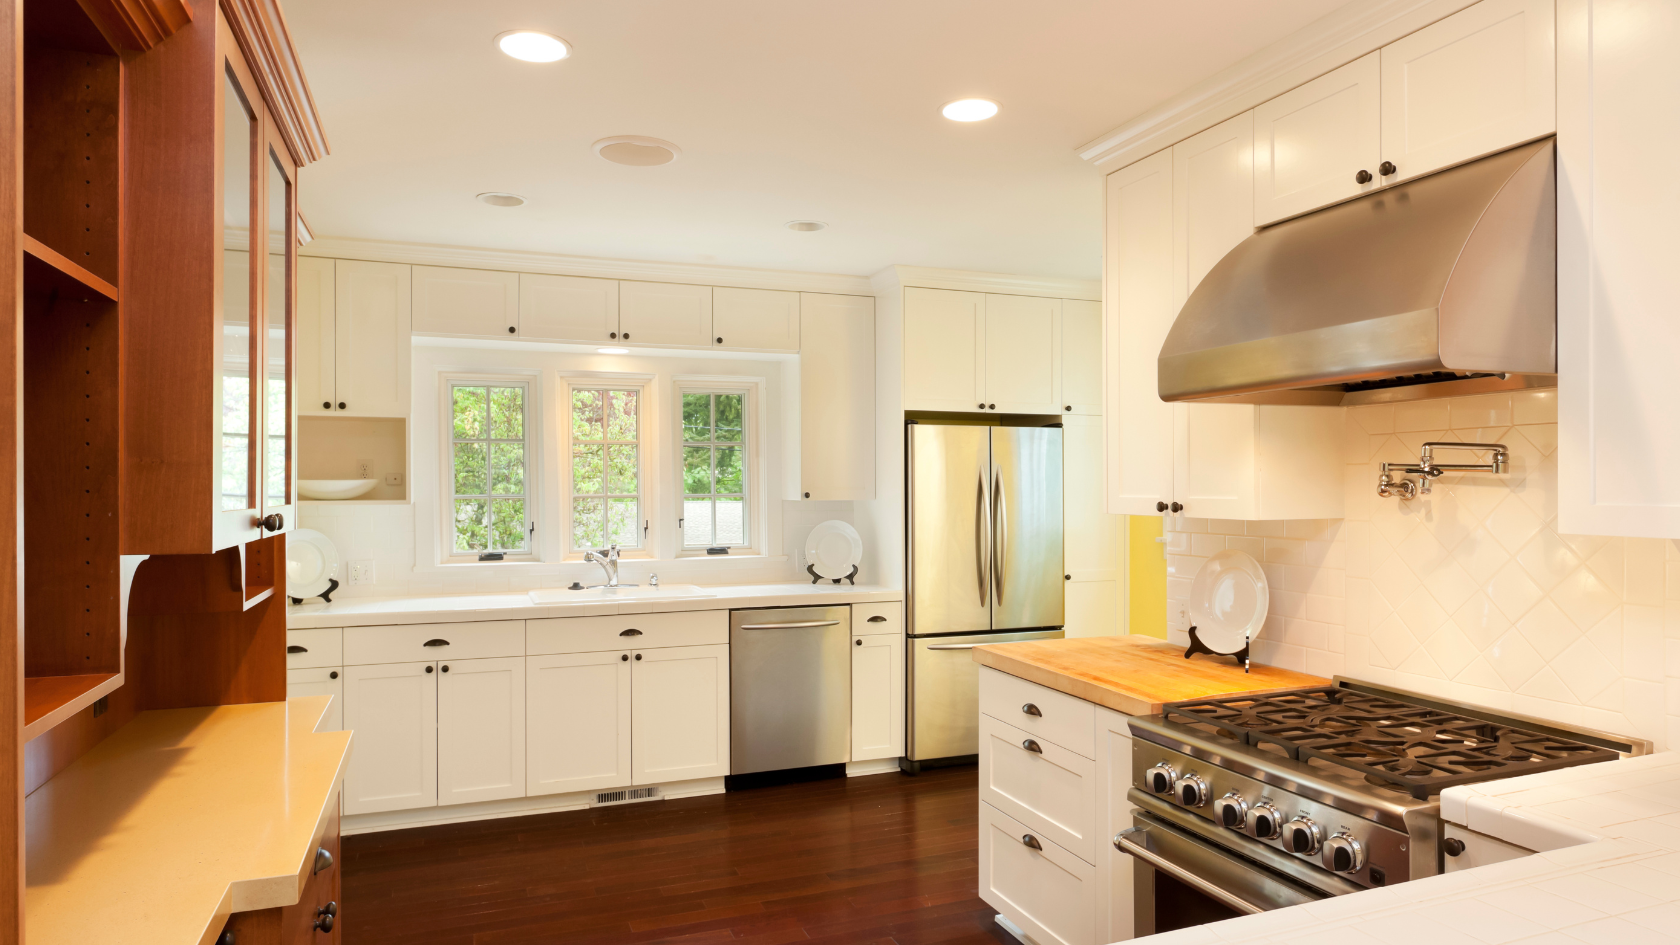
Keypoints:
pixel 984 561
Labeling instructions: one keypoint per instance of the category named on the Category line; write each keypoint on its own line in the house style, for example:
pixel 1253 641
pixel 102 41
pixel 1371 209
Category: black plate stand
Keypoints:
pixel 1197 646
pixel 326 595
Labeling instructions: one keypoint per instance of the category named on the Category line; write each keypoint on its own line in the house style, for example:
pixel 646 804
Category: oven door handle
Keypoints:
pixel 1124 844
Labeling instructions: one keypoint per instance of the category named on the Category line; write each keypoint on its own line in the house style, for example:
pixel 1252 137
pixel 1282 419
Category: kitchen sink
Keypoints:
pixel 561 595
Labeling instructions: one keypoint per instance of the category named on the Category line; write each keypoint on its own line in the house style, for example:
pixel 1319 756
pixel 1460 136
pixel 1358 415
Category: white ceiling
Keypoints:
pixel 784 110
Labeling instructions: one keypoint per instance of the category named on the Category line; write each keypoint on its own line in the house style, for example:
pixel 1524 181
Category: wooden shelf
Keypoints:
pixel 49 700
pixel 46 268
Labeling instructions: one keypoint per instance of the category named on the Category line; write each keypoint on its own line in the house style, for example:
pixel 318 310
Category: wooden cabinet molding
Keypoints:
pixel 138 24
pixel 260 29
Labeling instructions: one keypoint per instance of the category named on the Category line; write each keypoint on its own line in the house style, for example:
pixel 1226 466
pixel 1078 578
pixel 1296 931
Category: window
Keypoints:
pixel 606 468
pixel 714 469
pixel 489 495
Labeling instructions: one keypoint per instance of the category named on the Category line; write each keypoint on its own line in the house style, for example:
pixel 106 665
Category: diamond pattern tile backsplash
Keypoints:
pixel 1470 592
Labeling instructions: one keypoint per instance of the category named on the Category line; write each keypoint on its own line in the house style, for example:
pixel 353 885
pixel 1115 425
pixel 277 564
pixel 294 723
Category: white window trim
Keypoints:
pixel 447 381
pixel 753 437
pixel 651 461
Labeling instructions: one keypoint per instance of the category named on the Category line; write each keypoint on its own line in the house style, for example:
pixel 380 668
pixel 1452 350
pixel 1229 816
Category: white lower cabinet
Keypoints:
pixel 480 730
pixel 1114 814
pixel 1035 883
pixel 877 693
pixel 679 714
pixel 392 708
pixel 320 681
pixel 1041 784
pixel 577 722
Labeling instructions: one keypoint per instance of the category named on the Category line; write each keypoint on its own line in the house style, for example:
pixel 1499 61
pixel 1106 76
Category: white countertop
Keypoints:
pixel 374 611
pixel 1608 872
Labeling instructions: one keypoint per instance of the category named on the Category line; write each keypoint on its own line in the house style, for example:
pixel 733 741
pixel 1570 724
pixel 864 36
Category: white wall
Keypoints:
pixel 1470 593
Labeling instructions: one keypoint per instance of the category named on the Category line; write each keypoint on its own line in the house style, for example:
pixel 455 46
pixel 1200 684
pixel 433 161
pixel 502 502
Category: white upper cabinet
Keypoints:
pixel 944 349
pixel 578 713
pixel 371 325
pixel 1312 144
pixel 1213 199
pixel 762 319
pixel 679 713
pixel 1472 84
pixel 478 302
pixel 1082 347
pixel 567 308
pixel 660 313
pixel 317 347
pixel 1022 354
pixel 481 730
pixel 837 397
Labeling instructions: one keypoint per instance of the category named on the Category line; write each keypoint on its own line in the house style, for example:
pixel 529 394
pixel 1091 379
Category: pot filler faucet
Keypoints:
pixel 1428 470
pixel 607 558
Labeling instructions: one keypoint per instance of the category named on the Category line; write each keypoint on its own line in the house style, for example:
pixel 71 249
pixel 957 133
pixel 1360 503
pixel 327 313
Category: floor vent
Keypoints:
pixel 626 796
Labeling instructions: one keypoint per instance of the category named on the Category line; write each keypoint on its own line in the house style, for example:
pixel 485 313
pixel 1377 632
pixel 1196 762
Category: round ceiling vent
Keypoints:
pixel 806 226
pixel 498 199
pixel 637 151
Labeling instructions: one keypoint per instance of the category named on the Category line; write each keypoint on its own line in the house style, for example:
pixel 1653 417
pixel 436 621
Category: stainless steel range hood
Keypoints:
pixel 1447 278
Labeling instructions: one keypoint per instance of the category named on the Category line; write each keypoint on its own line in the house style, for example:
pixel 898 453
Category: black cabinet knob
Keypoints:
pixel 626 336
pixel 333 674
pixel 638 656
pixel 1068 408
pixel 273 522
pixel 226 938
pixel 1160 506
pixel 1363 177
pixel 324 923
pixel 807 495
pixel 612 334
pixel 428 669
pixel 1176 507
pixel 446 667
pixel 981 406
pixel 624 658
pixel 857 642
pixel 326 405
pixel 341 405
pixel 1386 168
pixel 1067 577
pixel 512 329
pixel 330 908
pixel 720 341
pixel 991 406
pixel 1453 846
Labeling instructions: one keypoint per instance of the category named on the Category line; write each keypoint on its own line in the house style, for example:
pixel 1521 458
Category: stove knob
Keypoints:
pixel 1160 778
pixel 1265 821
pixel 1302 836
pixel 1231 810
pixel 1343 854
pixel 1192 791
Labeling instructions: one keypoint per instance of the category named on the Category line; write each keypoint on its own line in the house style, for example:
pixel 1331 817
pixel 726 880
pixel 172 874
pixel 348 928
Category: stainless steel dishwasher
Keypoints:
pixel 790 688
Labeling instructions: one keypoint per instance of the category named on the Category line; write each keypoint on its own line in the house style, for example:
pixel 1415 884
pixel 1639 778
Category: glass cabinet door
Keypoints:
pixel 241 345
pixel 278 418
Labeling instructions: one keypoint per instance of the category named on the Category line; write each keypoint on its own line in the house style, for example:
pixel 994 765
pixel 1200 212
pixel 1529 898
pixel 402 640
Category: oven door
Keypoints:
pixel 1180 880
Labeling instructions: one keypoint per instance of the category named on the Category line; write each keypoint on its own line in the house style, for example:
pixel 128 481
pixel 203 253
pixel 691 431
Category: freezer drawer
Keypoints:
pixel 790 688
pixel 944 705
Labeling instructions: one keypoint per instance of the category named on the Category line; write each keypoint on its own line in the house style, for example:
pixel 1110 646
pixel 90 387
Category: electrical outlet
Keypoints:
pixel 364 471
pixel 361 572
pixel 393 479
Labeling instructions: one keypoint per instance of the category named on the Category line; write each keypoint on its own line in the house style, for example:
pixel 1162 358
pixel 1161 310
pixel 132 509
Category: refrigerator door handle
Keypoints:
pixel 1000 535
pixel 953 646
pixel 982 527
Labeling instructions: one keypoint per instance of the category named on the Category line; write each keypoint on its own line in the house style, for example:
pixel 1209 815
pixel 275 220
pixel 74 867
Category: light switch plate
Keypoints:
pixel 361 572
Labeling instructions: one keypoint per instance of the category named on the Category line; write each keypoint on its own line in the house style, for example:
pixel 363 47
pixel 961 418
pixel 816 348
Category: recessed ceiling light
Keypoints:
pixel 969 109
pixel 806 226
pixel 499 199
pixel 637 151
pixel 533 46
pixel 612 350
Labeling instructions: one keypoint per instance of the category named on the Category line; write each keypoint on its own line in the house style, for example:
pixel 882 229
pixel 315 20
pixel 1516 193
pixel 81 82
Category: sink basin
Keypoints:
pixel 561 595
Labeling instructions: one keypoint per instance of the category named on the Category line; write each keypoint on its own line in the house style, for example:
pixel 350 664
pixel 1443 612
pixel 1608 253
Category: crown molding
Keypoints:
pixel 1324 45
pixel 259 26
pixel 898 277
pixel 425 254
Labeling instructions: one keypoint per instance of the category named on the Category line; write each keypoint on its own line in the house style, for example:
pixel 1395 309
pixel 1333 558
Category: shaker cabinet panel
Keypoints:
pixel 567 308
pixel 679 713
pixel 320 681
pixel 317 342
pixel 1090 536
pixel 762 319
pixel 480 730
pixel 837 397
pixel 1022 354
pixel 944 349
pixel 1081 357
pixel 578 718
pixel 1312 142
pixel 479 302
pixel 392 708
pixel 659 313
pixel 877 695
pixel 372 327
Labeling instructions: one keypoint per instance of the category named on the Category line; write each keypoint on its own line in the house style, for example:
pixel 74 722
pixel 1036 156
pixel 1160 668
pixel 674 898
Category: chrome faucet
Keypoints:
pixel 607 558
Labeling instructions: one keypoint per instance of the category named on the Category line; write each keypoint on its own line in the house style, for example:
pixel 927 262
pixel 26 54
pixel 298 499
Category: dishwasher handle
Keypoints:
pixel 795 625
pixel 953 646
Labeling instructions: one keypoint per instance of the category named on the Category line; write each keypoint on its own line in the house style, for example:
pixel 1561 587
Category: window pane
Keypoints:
pixel 586 414
pixel 469 413
pixel 586 470
pixel 729 474
pixel 277 470
pixel 471 532
pixel 624 522
pixel 471 475
pixel 697 417
pixel 621 415
pixel 589 523
pixel 621 470
pixel 507 413
pixel 697 522
pixel 507 475
pixel 730 408
pixel 508 524
pixel 697 470
pixel 731 521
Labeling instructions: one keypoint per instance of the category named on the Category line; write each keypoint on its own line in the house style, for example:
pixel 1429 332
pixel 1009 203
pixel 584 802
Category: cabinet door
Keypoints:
pixel 392 708
pixel 279 320
pixel 1138 301
pixel 567 308
pixel 317 362
pixel 479 302
pixel 320 681
pixel 237 418
pixel 837 397
pixel 1090 537
pixel 1213 199
pixel 679 714
pixel 577 722
pixel 877 696
pixel 755 318
pixel 372 325
pixel 1082 347
pixel 658 313
pixel 1023 351
pixel 1474 83
pixel 1047 891
pixel 481 730
pixel 1310 143
pixel 1114 812
pixel 1213 465
pixel 944 350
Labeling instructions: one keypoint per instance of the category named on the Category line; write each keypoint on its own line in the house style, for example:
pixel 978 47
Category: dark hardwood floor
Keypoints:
pixel 880 859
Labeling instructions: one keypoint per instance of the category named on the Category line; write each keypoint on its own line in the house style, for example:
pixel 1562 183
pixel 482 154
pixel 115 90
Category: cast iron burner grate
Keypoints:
pixel 1417 748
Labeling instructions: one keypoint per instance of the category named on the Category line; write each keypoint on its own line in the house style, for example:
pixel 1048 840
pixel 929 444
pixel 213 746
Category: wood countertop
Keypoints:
pixel 1133 674
pixel 178 819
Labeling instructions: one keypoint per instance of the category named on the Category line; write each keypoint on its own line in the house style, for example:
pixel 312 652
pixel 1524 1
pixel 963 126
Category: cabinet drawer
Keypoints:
pixel 1041 784
pixel 307 648
pixel 1047 892
pixel 1062 719
pixel 870 619
pixel 406 644
pixel 626 632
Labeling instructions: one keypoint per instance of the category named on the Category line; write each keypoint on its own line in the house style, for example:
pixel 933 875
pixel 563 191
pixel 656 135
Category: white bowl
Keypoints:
pixel 335 488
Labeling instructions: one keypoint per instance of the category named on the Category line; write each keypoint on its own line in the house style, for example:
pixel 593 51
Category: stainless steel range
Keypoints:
pixel 1244 804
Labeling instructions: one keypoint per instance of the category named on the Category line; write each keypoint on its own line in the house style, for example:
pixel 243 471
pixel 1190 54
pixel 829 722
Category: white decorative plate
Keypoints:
pixel 1228 601
pixel 833 549
pixel 311 562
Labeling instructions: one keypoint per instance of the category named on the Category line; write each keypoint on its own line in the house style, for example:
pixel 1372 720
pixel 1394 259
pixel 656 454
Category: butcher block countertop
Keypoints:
pixel 1133 674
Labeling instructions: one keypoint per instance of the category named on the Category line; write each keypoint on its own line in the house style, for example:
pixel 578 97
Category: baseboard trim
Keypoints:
pixel 512 807
pixel 856 769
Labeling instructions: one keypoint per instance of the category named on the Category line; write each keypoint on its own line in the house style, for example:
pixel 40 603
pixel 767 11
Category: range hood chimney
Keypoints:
pixel 1441 279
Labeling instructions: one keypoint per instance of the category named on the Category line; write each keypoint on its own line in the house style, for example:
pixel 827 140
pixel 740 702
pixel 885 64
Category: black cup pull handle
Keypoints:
pixel 294 648
pixel 632 632
pixel 1031 709
pixel 877 619
pixel 435 642
pixel 1031 842
pixel 1032 746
